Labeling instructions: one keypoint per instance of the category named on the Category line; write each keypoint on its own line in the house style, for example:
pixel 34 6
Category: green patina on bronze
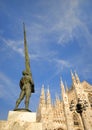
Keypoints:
pixel 26 82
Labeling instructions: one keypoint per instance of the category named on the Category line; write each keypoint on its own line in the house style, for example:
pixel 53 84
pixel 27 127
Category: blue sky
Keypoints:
pixel 59 37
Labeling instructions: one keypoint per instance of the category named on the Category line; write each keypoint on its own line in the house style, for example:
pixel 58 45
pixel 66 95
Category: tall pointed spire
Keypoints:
pixel 62 88
pixel 48 97
pixel 77 78
pixel 57 100
pixel 73 78
pixel 66 86
pixel 62 85
pixel 27 61
pixel 42 97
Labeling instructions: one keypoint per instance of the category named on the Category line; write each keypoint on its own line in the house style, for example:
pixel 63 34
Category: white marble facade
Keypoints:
pixel 62 115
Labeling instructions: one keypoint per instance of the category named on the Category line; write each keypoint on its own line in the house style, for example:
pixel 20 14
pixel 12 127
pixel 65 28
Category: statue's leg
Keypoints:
pixel 27 98
pixel 21 96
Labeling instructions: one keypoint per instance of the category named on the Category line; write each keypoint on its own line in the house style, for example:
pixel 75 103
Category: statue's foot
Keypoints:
pixel 22 110
pixel 15 108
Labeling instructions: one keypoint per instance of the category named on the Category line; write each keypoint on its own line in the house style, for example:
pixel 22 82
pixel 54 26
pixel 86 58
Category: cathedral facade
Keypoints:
pixel 73 112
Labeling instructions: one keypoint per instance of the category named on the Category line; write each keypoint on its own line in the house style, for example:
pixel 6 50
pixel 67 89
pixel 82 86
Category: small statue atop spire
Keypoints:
pixel 26 82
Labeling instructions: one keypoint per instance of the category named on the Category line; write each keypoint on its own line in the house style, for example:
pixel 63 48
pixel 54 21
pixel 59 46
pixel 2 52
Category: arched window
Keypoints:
pixel 76 120
pixel 59 129
pixel 90 98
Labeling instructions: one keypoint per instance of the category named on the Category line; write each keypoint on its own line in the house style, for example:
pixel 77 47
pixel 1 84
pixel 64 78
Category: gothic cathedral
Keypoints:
pixel 73 112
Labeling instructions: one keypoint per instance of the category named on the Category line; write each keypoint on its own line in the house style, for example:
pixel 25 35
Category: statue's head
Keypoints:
pixel 25 73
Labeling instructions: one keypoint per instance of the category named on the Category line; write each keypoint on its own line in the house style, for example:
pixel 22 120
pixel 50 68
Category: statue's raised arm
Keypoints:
pixel 26 83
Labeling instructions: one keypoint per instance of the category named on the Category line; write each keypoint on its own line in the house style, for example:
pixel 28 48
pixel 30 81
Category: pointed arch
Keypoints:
pixel 58 129
pixel 77 121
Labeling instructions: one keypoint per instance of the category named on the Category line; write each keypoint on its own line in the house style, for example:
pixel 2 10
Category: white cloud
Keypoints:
pixel 60 66
pixel 59 24
pixel 60 19
pixel 63 19
pixel 67 22
pixel 62 63
pixel 14 45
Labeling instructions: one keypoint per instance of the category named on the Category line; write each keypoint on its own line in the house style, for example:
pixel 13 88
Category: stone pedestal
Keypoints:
pixel 18 120
pixel 22 116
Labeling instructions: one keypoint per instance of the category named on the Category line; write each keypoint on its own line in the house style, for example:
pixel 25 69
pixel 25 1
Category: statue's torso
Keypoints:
pixel 27 80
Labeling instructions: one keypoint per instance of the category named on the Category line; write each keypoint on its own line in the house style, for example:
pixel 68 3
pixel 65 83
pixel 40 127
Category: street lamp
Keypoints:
pixel 79 107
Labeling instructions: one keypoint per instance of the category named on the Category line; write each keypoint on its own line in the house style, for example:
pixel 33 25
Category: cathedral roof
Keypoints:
pixel 87 87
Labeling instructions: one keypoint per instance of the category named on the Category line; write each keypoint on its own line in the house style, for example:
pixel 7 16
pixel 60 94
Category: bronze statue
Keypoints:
pixel 26 82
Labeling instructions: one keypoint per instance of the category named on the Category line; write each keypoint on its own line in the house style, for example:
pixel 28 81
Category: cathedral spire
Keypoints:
pixel 42 97
pixel 73 78
pixel 77 78
pixel 27 61
pixel 62 88
pixel 57 101
pixel 48 97
pixel 66 87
